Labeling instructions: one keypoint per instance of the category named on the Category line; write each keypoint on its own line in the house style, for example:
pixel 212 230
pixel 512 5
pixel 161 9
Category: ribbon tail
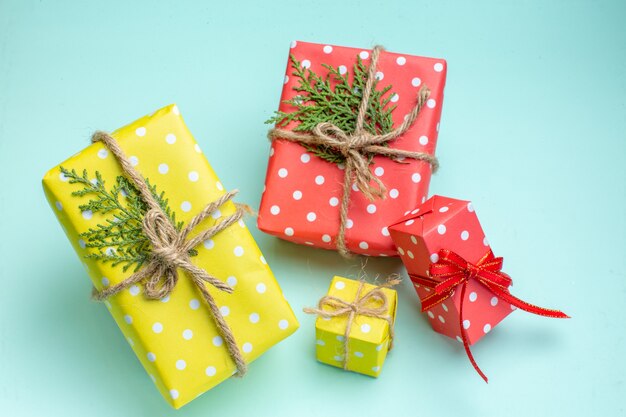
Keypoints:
pixel 523 305
pixel 464 337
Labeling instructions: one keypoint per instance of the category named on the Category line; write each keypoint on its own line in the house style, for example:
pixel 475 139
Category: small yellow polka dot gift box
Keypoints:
pixel 205 303
pixel 354 328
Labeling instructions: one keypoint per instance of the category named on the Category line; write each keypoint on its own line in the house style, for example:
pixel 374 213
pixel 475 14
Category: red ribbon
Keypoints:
pixel 451 270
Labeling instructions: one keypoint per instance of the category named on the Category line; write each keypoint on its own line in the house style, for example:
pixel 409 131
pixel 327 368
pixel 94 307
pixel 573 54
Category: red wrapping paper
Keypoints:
pixel 446 223
pixel 302 194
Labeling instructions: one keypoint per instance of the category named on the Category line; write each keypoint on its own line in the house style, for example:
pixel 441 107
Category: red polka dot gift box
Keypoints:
pixel 456 275
pixel 353 146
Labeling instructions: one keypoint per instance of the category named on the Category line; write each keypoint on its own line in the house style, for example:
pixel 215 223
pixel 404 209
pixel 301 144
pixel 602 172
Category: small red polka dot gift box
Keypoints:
pixel 458 278
pixel 354 327
pixel 347 159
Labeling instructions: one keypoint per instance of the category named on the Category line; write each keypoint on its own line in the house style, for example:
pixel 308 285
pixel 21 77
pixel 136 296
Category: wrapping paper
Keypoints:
pixel 175 338
pixel 368 341
pixel 446 223
pixel 302 194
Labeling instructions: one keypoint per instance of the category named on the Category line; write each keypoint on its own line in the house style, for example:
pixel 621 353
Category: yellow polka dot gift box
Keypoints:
pixel 354 327
pixel 168 252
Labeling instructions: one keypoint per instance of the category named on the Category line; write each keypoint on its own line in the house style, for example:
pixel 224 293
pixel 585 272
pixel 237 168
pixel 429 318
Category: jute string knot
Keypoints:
pixel 170 251
pixel 373 303
pixel 359 147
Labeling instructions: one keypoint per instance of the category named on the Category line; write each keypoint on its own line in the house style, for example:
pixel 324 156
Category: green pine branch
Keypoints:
pixel 121 239
pixel 319 101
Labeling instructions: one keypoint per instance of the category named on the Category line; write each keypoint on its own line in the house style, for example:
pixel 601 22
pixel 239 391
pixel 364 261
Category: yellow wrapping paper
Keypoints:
pixel 175 338
pixel 368 342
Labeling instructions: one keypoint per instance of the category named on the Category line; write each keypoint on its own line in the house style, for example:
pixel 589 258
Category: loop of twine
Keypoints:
pixel 358 307
pixel 170 251
pixel 358 146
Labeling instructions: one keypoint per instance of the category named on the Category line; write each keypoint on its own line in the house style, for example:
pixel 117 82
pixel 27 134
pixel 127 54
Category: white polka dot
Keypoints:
pixel 513 307
pixel 473 296
pixel 441 229
pixel 58 205
pixel 63 177
pixel 210 371
pixel 197 148
pixel 231 281
pixel 338 358
pixel 193 176
pixel 306 63
pixel 134 161
pixel 217 341
pixel 328 49
pixel 224 310
pixel 297 195
pixel 289 231
pixel 320 342
pixel 283 172
pixel 174 394
pixel 384 231
pixel 379 171
pixel 238 251
pixel 175 110
pixel 376 368
pixel 494 301
pixel 157 327
pixel 363 245
pixel 133 290
pixel 311 217
pixel 247 347
pixel 293 44
pixel 470 207
pixel 416 177
pixel 105 281
pixel 393 193
pixel 395 97
pixel 261 288
pixel 414 211
pixel 326 238
pixel 401 251
pixel 349 224
pixel 185 206
pixel 82 243
pixel 319 180
pixel 342 69
pixel 438 67
pixel 305 158
pixel 194 304
pixel 379 75
pixel 140 131
pixel 216 214
pixel 434 258
pixel 379 347
pixel 423 140
pixel 444 209
pixel 151 356
pixel 415 82
pixel 464 235
pixel 219 186
pixel 163 169
pixel 181 364
pixel 466 324
pixel 358 354
pixel 487 328
pixel 409 222
pixel 401 60
pixel 254 318
pixel 364 54
pixel 334 201
pixel 414 240
pixel 165 299
pixel 209 244
pixel 283 324
pixel 87 214
pixel 187 334
pixel 128 319
pixel 371 208
pixel 430 314
pixel 262 259
pixel 445 307
pixel 485 242
pixel 431 103
pixel 410 254
pixel 441 319
pixel 458 338
pixel 274 210
pixel 103 153
pixel 170 138
pixel 355 187
pixel 365 328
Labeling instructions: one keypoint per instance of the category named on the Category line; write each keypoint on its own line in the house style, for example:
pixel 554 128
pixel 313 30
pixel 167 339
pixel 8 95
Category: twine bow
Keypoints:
pixel 452 270
pixel 358 147
pixel 363 305
pixel 170 251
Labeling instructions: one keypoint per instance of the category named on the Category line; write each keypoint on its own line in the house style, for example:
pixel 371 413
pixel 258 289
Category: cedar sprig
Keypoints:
pixel 335 99
pixel 121 240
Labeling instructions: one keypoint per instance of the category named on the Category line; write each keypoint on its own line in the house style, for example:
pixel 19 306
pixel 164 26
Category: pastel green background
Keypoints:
pixel 532 131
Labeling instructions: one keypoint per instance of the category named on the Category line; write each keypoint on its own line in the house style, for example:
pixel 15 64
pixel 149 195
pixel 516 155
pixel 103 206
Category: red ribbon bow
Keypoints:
pixel 451 270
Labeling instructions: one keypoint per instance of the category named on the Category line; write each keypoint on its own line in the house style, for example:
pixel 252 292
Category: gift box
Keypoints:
pixel 175 338
pixel 455 273
pixel 356 342
pixel 304 183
